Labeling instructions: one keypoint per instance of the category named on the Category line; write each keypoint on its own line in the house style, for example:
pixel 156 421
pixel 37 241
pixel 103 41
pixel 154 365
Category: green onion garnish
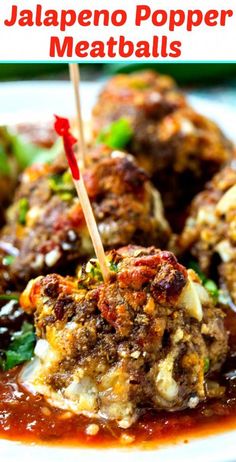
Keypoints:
pixel 116 135
pixel 23 207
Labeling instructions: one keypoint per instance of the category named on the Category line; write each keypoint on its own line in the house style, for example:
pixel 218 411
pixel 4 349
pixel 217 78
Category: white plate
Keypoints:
pixel 40 100
pixel 212 449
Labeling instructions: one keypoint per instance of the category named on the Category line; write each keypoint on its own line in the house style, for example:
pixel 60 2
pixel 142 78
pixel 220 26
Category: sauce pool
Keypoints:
pixel 28 418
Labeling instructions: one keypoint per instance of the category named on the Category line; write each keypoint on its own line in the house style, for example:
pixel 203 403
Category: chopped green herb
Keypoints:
pixel 89 274
pixel 206 365
pixel 8 260
pixel 94 270
pixel 209 284
pixel 4 163
pixel 116 135
pixel 212 288
pixel 66 196
pixel 23 207
pixel 113 266
pixel 55 182
pixel 9 297
pixel 21 347
pixel 62 185
pixel 67 178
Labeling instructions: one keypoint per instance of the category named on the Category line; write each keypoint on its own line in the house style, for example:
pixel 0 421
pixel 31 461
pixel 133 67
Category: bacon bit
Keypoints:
pixel 135 278
pixel 76 217
pixel 61 223
pixel 167 284
pixel 152 261
pixel 59 309
pixel 62 128
pixel 164 257
pixel 91 183
pixel 109 313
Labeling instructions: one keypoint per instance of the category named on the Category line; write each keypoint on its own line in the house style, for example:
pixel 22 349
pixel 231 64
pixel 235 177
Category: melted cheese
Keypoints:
pixel 190 300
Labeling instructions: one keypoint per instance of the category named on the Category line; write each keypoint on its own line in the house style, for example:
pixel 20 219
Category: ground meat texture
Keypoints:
pixel 209 235
pixel 180 148
pixel 113 349
pixel 46 231
pixel 150 94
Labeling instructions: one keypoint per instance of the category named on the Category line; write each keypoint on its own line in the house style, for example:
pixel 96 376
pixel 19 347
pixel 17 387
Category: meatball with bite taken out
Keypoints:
pixel 148 338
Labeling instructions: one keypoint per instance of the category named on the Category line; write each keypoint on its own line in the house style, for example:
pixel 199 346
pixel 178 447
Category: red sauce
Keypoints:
pixel 30 419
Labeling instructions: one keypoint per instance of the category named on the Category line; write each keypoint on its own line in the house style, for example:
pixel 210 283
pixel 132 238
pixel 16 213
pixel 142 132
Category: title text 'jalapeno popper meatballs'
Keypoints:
pixel 210 231
pixel 149 338
pixel 180 148
pixel 46 231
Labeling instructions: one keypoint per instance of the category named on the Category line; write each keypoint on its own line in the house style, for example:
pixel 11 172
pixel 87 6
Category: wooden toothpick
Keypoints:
pixel 75 79
pixel 92 227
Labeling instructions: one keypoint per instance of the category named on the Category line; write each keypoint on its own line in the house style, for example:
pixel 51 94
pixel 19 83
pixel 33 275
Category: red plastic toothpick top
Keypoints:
pixel 62 128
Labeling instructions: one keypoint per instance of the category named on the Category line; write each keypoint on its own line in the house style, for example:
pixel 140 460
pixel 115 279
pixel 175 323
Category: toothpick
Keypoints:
pixel 92 227
pixel 62 127
pixel 75 79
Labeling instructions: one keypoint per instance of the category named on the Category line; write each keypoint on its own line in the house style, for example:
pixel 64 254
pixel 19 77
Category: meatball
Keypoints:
pixel 147 339
pixel 178 147
pixel 210 231
pixel 46 230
